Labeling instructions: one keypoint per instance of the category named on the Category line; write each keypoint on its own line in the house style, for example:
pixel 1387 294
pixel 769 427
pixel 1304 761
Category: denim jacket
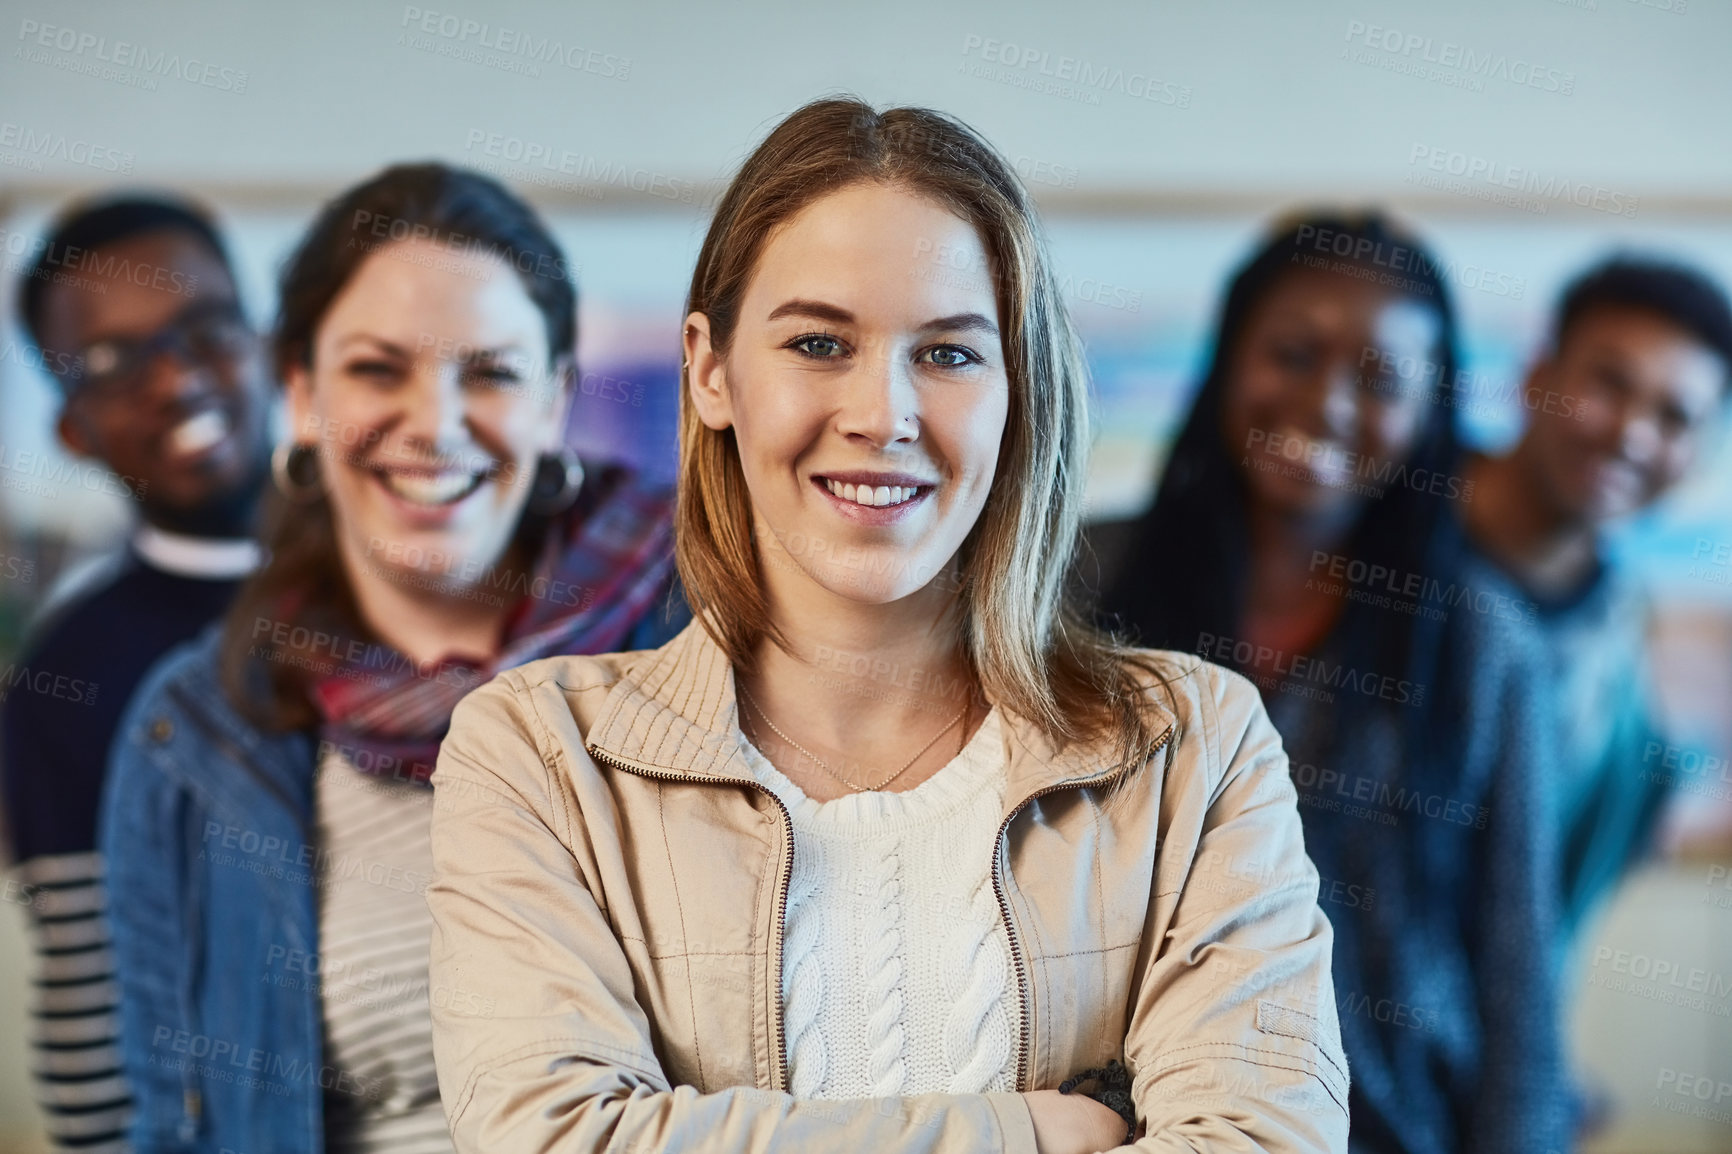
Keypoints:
pixel 206 827
pixel 206 831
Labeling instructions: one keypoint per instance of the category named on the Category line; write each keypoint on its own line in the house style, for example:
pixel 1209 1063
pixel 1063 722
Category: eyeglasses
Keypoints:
pixel 119 366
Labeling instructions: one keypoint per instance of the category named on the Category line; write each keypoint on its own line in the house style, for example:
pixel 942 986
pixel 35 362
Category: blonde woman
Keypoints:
pixel 888 845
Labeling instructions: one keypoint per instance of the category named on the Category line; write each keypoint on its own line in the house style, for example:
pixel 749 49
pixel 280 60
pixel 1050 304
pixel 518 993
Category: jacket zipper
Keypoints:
pixel 1024 1026
pixel 779 1080
pixel 778 1076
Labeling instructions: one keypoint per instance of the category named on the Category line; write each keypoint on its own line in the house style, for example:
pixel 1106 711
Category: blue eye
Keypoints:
pixel 819 346
pixel 950 356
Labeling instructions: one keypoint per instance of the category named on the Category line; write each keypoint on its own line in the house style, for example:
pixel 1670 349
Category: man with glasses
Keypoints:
pixel 134 307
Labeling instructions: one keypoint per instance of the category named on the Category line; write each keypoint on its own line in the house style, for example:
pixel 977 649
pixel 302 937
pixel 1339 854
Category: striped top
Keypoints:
pixel 75 1015
pixel 375 931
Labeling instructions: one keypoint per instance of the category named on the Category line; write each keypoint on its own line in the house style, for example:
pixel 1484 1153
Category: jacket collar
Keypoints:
pixel 277 765
pixel 673 711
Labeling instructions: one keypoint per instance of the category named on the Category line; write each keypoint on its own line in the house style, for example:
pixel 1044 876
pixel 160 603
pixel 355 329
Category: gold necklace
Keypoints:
pixel 819 762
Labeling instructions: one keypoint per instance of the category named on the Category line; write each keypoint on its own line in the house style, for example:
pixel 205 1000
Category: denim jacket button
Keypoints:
pixel 161 730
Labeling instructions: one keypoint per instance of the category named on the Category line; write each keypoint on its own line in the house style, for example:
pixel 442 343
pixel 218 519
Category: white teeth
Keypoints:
pixel 432 489
pixel 872 496
pixel 196 434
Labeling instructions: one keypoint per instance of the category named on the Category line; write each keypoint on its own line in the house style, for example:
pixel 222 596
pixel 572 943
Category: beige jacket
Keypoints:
pixel 609 885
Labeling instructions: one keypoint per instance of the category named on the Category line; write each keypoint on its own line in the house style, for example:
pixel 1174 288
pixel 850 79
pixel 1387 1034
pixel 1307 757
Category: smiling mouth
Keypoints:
pixel 432 490
pixel 874 496
pixel 198 433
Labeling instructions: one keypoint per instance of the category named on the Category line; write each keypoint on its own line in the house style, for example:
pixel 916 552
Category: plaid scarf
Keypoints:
pixel 605 564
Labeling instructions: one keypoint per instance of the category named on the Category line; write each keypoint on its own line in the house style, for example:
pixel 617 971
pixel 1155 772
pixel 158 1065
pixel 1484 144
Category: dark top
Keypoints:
pixel 61 700
pixel 1611 784
pixel 1423 794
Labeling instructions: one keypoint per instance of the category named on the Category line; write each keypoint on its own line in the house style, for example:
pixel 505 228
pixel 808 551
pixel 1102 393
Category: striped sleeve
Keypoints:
pixel 74 1009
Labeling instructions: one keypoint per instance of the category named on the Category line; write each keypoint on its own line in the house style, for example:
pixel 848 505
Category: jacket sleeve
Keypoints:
pixel 140 835
pixel 538 1037
pixel 1233 1042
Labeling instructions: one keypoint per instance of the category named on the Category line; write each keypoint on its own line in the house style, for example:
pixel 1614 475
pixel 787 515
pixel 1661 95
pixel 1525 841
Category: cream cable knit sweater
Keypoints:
pixel 896 970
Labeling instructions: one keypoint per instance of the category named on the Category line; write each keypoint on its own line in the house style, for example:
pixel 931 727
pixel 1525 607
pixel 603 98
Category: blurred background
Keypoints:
pixel 1523 138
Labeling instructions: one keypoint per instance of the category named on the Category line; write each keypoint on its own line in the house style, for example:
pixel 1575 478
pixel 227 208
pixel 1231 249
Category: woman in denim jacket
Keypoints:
pixel 267 817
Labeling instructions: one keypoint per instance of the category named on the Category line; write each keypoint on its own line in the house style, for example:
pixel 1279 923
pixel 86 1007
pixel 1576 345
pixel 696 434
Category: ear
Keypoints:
pixel 564 379
pixel 707 376
pixel 298 396
pixel 72 434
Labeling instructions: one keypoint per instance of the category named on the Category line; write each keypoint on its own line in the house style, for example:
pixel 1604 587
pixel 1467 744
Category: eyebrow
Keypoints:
pixel 477 352
pixel 835 314
pixel 344 343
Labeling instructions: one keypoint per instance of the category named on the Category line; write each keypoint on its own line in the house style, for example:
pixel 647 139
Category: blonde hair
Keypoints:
pixel 1031 650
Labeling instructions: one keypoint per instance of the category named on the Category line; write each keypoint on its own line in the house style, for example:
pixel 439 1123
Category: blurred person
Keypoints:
pixel 133 302
pixel 1311 478
pixel 268 809
pixel 889 846
pixel 1620 404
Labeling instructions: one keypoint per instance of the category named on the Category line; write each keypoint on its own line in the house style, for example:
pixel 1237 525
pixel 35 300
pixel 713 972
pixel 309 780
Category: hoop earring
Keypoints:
pixel 295 470
pixel 557 481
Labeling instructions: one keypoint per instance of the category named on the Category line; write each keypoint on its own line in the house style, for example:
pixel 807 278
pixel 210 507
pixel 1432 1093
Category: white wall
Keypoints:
pixel 1274 107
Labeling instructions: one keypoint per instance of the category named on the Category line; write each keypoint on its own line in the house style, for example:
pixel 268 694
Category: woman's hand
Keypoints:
pixel 1072 1123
